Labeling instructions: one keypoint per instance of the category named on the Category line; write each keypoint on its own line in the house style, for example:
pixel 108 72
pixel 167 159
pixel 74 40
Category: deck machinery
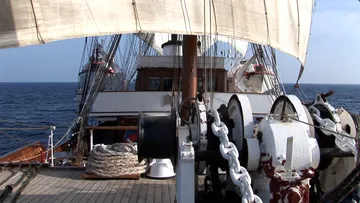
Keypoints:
pixel 284 157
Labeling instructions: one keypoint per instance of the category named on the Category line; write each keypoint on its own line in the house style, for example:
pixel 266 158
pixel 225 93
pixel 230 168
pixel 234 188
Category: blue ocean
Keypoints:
pixel 28 105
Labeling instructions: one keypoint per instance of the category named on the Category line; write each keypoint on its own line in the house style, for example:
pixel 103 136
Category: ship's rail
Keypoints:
pixel 92 128
pixel 131 103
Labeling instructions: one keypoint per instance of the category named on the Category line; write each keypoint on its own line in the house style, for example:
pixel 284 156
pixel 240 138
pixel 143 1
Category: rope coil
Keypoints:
pixel 115 160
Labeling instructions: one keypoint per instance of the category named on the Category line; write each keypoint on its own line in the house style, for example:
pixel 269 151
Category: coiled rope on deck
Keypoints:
pixel 115 160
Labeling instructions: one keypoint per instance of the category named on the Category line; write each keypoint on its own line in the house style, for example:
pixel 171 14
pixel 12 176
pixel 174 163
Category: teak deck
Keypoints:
pixel 55 186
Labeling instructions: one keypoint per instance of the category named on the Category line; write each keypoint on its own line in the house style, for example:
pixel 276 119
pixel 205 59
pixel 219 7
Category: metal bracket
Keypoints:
pixel 185 175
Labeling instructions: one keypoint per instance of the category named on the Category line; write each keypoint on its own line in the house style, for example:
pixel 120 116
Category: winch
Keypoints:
pixel 275 159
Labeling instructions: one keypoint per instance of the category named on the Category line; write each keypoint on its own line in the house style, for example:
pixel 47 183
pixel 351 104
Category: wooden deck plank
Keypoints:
pixel 47 189
pixel 106 191
pixel 93 189
pixel 69 182
pixel 150 195
pixel 33 185
pixel 120 192
pixel 5 176
pixel 110 197
pixel 54 189
pixel 16 182
pixel 172 191
pixel 70 189
pixel 82 190
pixel 15 178
pixel 128 191
pixel 98 192
pixel 57 186
pixel 143 192
pixel 72 192
pixel 43 173
pixel 135 192
pixel 32 193
pixel 157 193
pixel 93 176
pixel 165 192
pixel 4 173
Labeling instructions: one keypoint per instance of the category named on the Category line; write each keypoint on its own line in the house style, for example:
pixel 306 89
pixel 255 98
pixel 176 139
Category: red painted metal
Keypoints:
pixel 42 157
pixel 284 190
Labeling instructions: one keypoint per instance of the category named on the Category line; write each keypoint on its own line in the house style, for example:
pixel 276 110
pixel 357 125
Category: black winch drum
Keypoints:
pixel 157 136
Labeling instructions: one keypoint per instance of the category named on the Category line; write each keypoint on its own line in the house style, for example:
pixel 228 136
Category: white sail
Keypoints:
pixel 282 24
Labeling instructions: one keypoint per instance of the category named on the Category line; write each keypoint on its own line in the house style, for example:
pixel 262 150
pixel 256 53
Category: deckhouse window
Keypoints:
pixel 154 83
pixel 167 84
pixel 200 84
pixel 211 84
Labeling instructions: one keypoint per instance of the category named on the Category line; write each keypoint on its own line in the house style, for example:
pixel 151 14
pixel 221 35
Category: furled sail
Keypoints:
pixel 282 24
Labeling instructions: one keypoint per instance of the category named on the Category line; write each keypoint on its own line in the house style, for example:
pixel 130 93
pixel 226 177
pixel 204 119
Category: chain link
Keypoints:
pixel 342 139
pixel 238 174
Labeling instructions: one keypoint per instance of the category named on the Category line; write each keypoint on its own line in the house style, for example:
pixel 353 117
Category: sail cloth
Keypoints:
pixel 282 24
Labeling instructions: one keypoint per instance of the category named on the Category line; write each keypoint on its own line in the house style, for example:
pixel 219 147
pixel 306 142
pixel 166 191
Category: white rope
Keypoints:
pixel 115 160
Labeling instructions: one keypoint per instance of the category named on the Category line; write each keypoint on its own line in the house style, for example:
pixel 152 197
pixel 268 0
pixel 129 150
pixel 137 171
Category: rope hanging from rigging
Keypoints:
pixel 115 160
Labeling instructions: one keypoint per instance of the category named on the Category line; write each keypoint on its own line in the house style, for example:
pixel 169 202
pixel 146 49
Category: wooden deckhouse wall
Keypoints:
pixel 146 73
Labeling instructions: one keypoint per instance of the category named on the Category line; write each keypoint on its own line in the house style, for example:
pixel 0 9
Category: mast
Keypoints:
pixel 189 70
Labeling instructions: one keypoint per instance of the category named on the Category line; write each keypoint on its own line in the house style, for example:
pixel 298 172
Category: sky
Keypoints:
pixel 333 53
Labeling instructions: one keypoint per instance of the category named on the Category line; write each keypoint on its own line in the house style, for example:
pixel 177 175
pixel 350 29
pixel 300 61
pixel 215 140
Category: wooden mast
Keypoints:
pixel 189 70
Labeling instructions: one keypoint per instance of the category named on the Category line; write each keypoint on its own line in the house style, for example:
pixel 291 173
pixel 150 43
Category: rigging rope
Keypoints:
pixel 23 124
pixel 27 143
pixel 342 190
pixel 319 127
pixel 44 128
pixel 28 173
pixel 115 160
pixel 31 172
pixel 13 137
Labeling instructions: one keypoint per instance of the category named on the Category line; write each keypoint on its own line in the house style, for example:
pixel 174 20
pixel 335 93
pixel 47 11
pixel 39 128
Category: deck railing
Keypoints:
pixel 92 128
pixel 50 146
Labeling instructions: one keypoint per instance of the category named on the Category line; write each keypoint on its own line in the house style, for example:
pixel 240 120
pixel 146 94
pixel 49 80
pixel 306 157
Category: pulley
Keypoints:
pixel 291 106
pixel 239 110
pixel 237 117
pixel 324 110
pixel 333 169
pixel 157 136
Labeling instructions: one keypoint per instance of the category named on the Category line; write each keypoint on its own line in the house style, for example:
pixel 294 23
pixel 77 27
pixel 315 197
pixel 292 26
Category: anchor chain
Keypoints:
pixel 239 175
pixel 343 140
